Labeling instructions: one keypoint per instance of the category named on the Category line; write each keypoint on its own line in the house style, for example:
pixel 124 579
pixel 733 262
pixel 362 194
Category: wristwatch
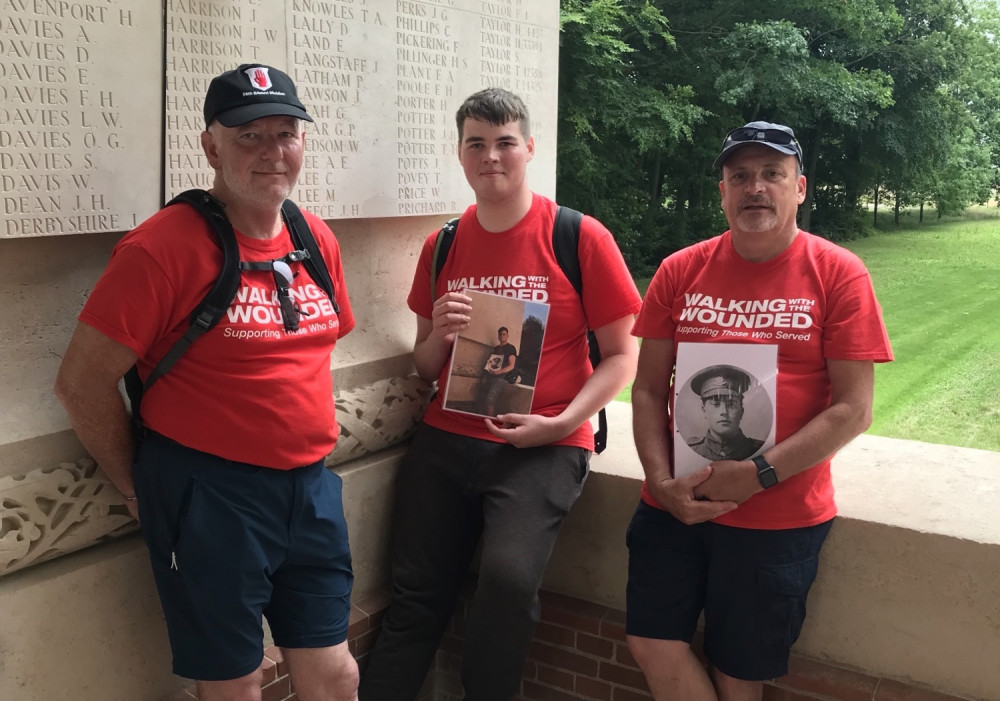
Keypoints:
pixel 765 472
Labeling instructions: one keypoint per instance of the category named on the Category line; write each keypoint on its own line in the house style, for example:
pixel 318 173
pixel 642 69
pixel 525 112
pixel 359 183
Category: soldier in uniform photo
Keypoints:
pixel 721 388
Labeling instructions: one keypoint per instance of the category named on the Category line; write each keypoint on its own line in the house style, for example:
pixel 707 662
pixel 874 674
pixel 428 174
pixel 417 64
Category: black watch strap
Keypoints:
pixel 765 472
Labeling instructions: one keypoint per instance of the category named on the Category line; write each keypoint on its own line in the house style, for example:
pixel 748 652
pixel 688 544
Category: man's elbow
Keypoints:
pixel 71 392
pixel 63 388
pixel 860 419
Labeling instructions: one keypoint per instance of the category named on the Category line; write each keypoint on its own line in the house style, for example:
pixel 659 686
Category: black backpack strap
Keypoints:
pixel 566 244
pixel 302 238
pixel 445 237
pixel 210 310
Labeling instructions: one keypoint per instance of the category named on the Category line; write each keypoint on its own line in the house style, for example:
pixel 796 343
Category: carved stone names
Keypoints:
pixel 79 90
pixel 337 71
pixel 381 78
pixel 204 40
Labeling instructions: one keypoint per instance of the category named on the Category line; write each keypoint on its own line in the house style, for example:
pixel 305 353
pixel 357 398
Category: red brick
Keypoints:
pixel 574 662
pixel 613 625
pixel 537 692
pixel 550 598
pixel 624 656
pixel 889 690
pixel 774 693
pixel 364 643
pixel 554 677
pixel 181 695
pixel 273 653
pixel 571 619
pixel 623 694
pixel 358 623
pixel 626 676
pixel 557 635
pixel 593 689
pixel 279 690
pixel 376 602
pixel 599 647
pixel 820 679
pixel 269 670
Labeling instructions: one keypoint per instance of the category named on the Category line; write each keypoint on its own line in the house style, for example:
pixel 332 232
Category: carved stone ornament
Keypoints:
pixel 50 512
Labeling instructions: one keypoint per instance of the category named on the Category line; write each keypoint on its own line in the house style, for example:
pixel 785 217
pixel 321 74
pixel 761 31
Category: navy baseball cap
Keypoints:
pixel 250 92
pixel 776 136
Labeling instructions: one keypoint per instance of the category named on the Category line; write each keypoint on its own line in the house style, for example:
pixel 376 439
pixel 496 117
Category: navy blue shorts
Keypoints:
pixel 230 542
pixel 751 584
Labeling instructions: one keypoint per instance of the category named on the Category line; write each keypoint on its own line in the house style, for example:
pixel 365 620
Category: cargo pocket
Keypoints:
pixel 782 591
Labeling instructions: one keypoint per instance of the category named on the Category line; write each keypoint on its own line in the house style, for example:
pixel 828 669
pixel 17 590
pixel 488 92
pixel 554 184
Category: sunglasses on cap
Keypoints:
pixel 283 279
pixel 773 136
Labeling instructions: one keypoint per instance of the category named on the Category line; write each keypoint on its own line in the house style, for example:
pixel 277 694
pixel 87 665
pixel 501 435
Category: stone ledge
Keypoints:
pixel 909 583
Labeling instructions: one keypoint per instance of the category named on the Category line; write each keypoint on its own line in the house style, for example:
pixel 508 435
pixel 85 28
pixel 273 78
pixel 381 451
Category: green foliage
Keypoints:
pixel 898 97
pixel 841 224
pixel 619 117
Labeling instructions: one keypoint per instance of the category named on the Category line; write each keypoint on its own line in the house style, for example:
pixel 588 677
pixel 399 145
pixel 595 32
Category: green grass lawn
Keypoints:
pixel 939 286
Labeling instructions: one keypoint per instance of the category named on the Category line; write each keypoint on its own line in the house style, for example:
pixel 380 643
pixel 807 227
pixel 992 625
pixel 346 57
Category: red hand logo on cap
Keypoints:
pixel 260 78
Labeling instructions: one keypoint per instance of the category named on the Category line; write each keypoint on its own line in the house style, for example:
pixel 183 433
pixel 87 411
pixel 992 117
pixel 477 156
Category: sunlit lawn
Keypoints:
pixel 939 286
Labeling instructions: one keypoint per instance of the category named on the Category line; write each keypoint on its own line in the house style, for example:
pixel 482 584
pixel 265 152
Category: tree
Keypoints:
pixel 898 96
pixel 618 118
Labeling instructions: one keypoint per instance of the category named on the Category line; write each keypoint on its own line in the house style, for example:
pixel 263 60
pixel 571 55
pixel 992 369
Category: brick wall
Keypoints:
pixel 579 652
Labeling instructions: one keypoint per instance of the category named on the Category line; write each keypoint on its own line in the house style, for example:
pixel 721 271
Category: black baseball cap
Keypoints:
pixel 250 92
pixel 776 136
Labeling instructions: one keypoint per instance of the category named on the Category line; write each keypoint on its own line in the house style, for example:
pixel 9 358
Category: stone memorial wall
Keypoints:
pixel 80 95
pixel 100 116
pixel 102 100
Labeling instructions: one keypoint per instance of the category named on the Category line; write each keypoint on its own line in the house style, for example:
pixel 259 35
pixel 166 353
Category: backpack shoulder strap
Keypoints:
pixel 302 238
pixel 566 245
pixel 445 237
pixel 211 309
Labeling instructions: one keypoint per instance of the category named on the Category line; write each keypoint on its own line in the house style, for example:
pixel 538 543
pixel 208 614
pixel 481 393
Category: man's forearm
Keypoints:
pixel 104 428
pixel 849 414
pixel 649 429
pixel 430 356
pixel 608 379
pixel 828 432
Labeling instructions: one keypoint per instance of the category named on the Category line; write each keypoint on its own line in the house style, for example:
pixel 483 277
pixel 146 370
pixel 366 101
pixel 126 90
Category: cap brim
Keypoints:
pixel 728 151
pixel 247 113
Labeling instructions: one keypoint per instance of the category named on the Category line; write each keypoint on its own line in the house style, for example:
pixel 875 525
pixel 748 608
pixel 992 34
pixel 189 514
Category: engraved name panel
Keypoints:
pixel 382 80
pixel 80 94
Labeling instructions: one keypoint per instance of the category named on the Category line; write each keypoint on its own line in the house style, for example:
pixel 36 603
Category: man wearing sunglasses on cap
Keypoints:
pixel 738 540
pixel 241 517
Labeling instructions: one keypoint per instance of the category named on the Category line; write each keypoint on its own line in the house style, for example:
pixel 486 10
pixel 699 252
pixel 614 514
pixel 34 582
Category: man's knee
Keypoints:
pixel 652 652
pixel 733 689
pixel 323 674
pixel 241 689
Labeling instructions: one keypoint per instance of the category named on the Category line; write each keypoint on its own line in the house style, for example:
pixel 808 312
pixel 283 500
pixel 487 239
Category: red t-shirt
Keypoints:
pixel 247 390
pixel 821 305
pixel 521 263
